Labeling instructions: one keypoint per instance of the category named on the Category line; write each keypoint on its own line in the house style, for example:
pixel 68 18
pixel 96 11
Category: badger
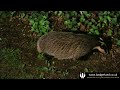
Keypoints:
pixel 67 45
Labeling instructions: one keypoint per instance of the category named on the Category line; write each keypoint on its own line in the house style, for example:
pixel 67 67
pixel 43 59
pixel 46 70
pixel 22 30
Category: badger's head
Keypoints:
pixel 105 45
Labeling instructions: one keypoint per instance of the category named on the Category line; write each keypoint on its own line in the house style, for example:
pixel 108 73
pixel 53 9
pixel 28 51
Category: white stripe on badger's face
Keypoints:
pixel 99 49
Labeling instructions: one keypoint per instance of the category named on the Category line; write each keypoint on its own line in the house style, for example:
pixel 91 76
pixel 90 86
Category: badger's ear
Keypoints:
pixel 101 39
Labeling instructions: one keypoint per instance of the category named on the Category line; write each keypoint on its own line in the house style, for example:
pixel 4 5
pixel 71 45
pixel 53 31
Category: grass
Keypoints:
pixel 11 57
pixel 13 68
pixel 10 60
pixel 11 65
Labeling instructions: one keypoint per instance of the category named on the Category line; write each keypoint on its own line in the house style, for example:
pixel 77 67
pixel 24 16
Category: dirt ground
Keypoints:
pixel 16 34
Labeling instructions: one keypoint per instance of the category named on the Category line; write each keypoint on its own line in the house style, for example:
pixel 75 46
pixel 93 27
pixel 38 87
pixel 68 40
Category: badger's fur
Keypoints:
pixel 66 45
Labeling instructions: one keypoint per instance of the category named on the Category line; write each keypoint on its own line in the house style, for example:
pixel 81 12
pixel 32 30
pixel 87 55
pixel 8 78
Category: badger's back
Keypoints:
pixel 66 45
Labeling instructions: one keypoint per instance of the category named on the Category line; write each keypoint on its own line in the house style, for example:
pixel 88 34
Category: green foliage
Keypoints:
pixel 5 14
pixel 11 57
pixel 94 22
pixel 41 56
pixel 71 20
pixel 118 42
pixel 87 70
pixel 103 20
pixel 11 14
pixel 39 22
pixel 43 68
pixel 109 33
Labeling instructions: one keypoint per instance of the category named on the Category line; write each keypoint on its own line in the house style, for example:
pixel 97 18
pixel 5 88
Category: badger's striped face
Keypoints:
pixel 105 44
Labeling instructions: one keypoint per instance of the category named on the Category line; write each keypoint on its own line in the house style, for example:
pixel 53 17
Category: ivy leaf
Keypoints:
pixel 85 12
pixel 56 12
pixel 93 20
pixel 103 25
pixel 105 21
pixel 73 29
pixel 73 13
pixel 91 30
pixel 31 21
pixel 86 70
pixel 82 19
pixel 67 22
pixel 94 27
pixel 109 33
pixel 78 24
pixel 42 68
pixel 105 12
pixel 114 20
pixel 118 42
pixel 88 15
pixel 109 18
pixel 74 22
pixel 44 17
pixel 101 18
pixel 90 23
pixel 67 15
pixel 97 32
pixel 99 25
pixel 60 13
